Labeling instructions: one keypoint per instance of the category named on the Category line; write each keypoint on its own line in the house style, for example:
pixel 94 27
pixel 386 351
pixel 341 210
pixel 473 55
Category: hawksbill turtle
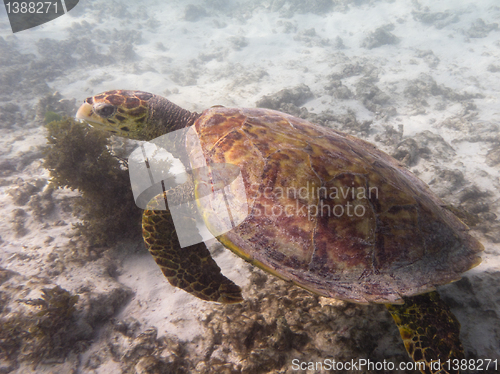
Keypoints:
pixel 403 245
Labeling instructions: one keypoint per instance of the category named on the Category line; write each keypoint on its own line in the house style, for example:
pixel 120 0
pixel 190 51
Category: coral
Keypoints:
pixel 288 8
pixel 288 100
pixel 42 204
pixel 480 29
pixel 379 37
pixel 53 107
pixel 493 156
pixel 10 113
pixel 373 97
pixel 11 337
pixel 43 334
pixel 78 158
pixel 275 325
pixel 145 352
pixel 194 13
pixel 22 193
pixel 18 220
pixel 439 19
pixel 296 96
pixel 42 323
pixel 425 86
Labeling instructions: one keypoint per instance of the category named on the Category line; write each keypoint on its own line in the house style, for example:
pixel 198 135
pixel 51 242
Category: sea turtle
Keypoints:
pixel 396 244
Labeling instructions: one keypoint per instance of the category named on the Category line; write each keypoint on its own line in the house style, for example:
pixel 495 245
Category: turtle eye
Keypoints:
pixel 105 110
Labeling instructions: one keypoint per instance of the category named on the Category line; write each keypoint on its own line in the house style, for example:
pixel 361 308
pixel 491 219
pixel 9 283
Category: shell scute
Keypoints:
pixel 116 99
pixel 268 139
pixel 132 102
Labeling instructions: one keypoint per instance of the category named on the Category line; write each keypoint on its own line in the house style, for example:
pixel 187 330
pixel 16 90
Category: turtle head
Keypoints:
pixel 121 112
pixel 134 114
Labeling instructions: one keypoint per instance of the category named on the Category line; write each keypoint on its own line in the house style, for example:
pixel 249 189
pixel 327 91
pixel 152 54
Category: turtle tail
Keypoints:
pixel 190 268
pixel 430 332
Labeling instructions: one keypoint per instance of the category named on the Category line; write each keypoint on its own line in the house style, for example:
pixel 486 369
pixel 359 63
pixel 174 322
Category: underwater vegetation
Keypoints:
pixel 43 334
pixel 78 158
pixel 51 117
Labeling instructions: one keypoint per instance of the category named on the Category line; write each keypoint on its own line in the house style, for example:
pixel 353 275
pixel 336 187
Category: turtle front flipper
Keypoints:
pixel 190 268
pixel 430 332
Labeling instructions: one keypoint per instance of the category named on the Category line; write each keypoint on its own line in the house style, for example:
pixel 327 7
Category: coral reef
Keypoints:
pixel 379 37
pixel 46 330
pixel 288 100
pixel 277 324
pixel 43 330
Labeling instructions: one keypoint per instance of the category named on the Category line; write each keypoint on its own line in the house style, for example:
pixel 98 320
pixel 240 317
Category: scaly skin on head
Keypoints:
pixel 134 114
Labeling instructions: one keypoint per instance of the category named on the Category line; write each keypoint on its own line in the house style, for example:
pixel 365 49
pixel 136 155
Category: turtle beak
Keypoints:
pixel 86 113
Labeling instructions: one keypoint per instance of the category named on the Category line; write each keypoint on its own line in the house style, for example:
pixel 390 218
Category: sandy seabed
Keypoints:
pixel 420 79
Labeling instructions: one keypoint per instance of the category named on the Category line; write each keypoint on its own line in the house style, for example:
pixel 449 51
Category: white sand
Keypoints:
pixel 267 60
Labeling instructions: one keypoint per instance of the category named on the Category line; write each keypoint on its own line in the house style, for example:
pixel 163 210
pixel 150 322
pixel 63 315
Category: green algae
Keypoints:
pixel 51 117
pixel 78 158
pixel 42 335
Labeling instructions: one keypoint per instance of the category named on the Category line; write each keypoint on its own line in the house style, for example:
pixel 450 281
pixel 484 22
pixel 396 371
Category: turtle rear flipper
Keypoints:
pixel 190 268
pixel 430 332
